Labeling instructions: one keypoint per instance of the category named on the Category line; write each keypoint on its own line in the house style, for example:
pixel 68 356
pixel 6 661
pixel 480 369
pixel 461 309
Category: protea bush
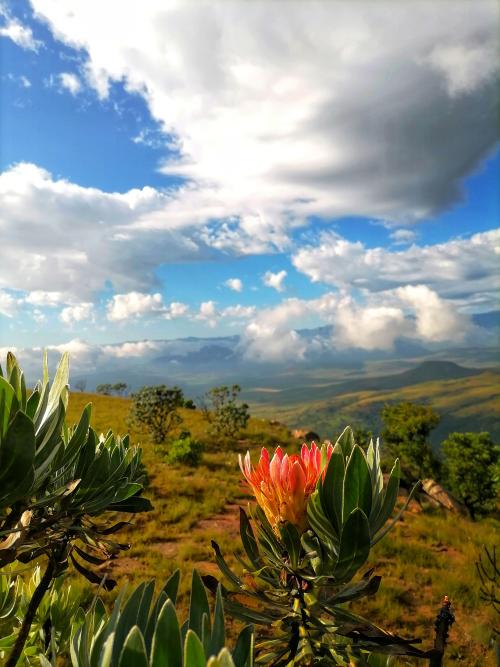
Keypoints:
pixel 317 516
pixel 61 487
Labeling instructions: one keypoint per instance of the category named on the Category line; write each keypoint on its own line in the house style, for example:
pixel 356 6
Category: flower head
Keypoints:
pixel 282 485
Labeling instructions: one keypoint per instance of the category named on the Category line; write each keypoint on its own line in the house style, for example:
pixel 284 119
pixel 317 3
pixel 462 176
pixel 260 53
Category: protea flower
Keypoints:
pixel 282 485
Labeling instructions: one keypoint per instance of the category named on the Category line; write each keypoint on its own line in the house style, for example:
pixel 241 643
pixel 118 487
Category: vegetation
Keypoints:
pixel 185 450
pixel 470 470
pixel 118 389
pixel 157 409
pixel 407 427
pixel 142 633
pixel 225 415
pixel 426 555
pixel 60 487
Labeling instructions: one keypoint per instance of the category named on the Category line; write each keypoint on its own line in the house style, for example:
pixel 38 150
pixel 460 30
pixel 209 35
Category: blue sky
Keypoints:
pixel 144 166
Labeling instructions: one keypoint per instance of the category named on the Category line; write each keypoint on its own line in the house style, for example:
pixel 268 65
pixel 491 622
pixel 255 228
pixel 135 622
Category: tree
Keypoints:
pixel 81 384
pixel 225 415
pixel 406 431
pixel 120 388
pixel 155 408
pixel 104 389
pixel 470 470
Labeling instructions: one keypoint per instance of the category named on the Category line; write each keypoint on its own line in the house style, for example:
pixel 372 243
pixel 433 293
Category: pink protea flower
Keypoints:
pixel 282 485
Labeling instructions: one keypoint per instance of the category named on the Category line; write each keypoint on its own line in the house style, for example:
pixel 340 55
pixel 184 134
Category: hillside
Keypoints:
pixel 466 399
pixel 427 555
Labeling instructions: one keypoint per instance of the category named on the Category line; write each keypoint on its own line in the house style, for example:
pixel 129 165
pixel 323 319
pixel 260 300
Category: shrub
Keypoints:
pixel 225 415
pixel 60 487
pixel 406 435
pixel 155 408
pixel 470 470
pixel 184 450
pixel 142 632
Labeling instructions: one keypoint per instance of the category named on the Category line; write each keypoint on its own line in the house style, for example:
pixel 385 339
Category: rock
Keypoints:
pixel 440 497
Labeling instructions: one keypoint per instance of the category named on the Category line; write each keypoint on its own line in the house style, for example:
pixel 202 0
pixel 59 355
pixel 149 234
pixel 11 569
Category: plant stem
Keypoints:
pixel 40 591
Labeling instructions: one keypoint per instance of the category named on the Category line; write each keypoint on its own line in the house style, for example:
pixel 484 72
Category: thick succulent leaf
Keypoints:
pixel 244 649
pixel 354 546
pixel 248 540
pixel 166 650
pixel 194 655
pixel 133 653
pixel 389 500
pixel 346 441
pixel 218 638
pixel 291 541
pixel 198 605
pixel 17 453
pixel 331 489
pixel 360 589
pixel 171 587
pixel 357 484
pixel 389 526
pixel 127 619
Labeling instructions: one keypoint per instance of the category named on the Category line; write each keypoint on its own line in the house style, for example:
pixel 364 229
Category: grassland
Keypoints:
pixel 465 404
pixel 427 555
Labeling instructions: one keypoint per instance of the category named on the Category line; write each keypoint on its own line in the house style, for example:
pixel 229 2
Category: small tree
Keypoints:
pixel 120 388
pixel 406 435
pixel 81 384
pixel 470 470
pixel 225 415
pixel 155 408
pixel 104 389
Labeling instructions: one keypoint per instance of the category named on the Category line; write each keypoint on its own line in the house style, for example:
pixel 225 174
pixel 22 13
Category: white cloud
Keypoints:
pixel 134 304
pixel 235 284
pixel 208 313
pixel 275 280
pixel 8 304
pixel 43 298
pixel 239 311
pixel 70 82
pixel 176 309
pixel 458 268
pixel 77 313
pixel 20 34
pixel 368 328
pixel 62 234
pixel 280 115
pixel 403 236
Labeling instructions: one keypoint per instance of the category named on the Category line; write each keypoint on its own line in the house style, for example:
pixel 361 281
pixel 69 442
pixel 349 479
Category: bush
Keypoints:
pixel 225 415
pixel 184 450
pixel 155 408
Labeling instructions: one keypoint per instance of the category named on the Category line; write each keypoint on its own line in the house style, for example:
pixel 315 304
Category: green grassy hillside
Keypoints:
pixel 429 554
pixel 470 403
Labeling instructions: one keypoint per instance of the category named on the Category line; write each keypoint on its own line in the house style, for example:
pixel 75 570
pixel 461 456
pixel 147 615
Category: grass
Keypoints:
pixel 427 555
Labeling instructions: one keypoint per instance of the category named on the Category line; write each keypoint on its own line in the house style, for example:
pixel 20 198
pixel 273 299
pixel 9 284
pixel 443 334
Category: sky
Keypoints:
pixel 172 169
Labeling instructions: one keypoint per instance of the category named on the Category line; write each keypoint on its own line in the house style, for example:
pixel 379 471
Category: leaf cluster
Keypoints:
pixel 298 584
pixel 226 416
pixel 143 632
pixel 155 408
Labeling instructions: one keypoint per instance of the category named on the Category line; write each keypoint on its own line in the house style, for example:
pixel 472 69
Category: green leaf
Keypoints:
pixel 354 546
pixel 171 588
pixel 218 638
pixel 331 489
pixel 134 650
pixel 166 650
pixel 357 484
pixel 194 655
pixel 198 604
pixel 390 498
pixel 17 453
pixel 291 540
pixel 244 649
pixel 248 540
pixel 346 441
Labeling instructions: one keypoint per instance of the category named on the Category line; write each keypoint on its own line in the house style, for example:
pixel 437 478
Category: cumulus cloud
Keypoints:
pixel 43 298
pixel 291 114
pixel 208 313
pixel 123 307
pixel 77 313
pixel 275 280
pixel 235 284
pixel 62 234
pixel 458 268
